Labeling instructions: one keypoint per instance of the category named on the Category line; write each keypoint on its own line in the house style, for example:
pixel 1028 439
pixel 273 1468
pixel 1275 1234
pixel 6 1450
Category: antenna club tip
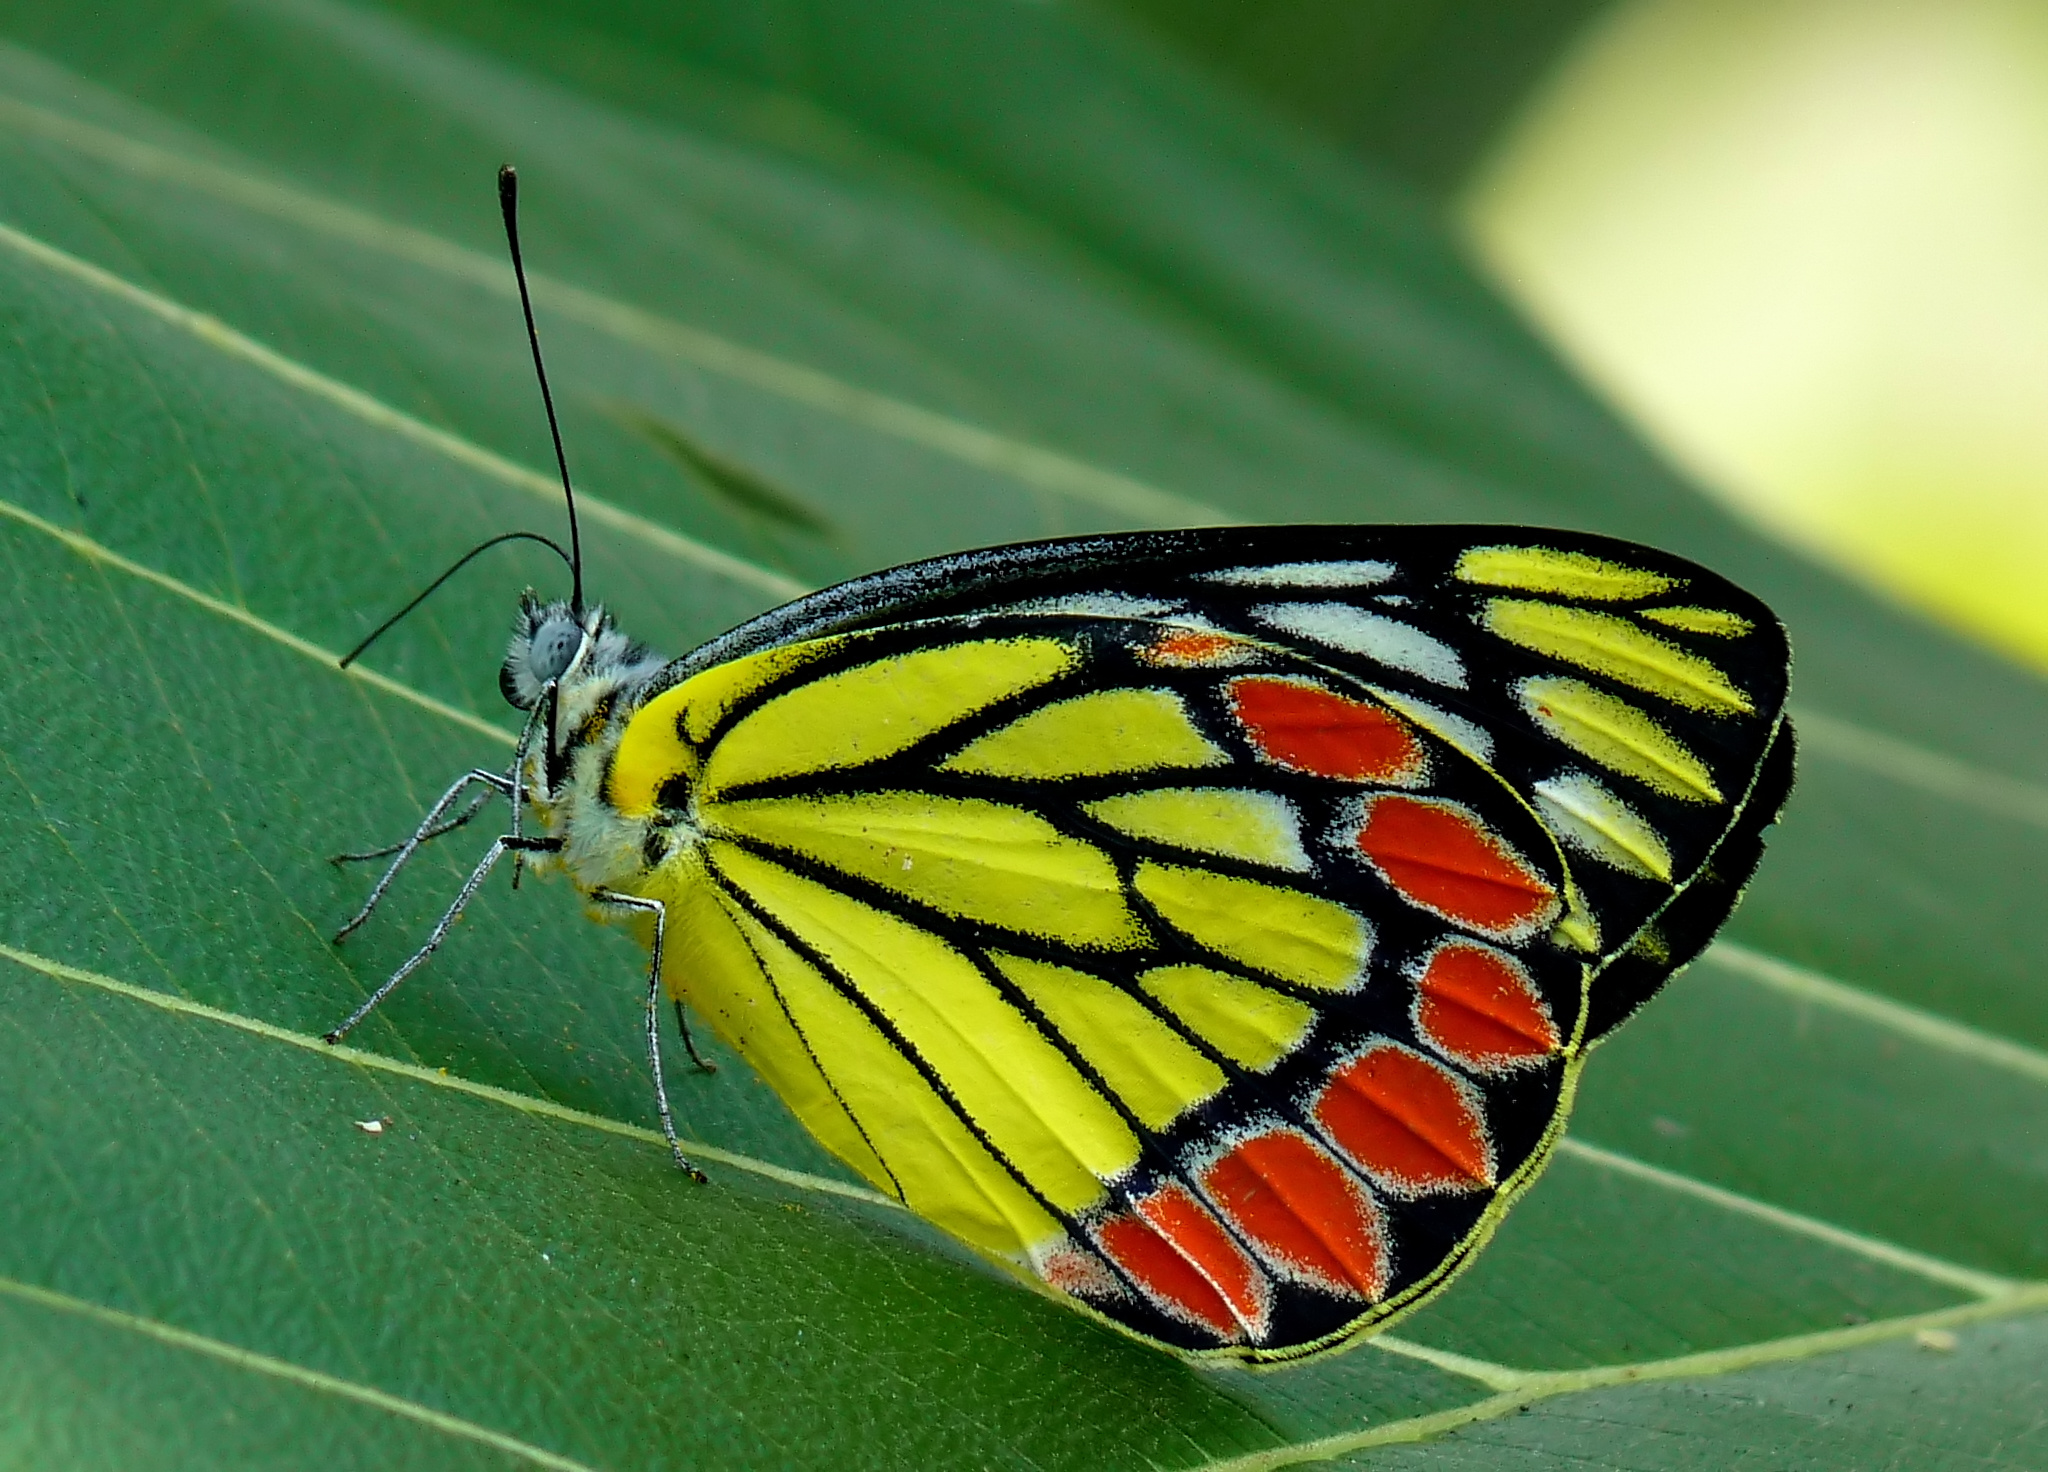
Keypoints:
pixel 508 184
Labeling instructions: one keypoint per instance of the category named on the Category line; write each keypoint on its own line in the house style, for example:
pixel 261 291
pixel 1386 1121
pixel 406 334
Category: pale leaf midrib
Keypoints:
pixel 319 1381
pixel 1927 1028
pixel 1988 1285
pixel 379 415
pixel 1543 1385
pixel 1876 1249
pixel 437 1078
pixel 98 552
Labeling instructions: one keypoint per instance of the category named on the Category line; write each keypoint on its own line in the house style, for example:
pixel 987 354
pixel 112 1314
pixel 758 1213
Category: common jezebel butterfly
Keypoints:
pixel 1208 926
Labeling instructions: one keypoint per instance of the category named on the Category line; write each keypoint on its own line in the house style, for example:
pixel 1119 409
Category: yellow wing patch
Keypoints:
pixel 1094 735
pixel 1718 622
pixel 877 709
pixel 1145 1062
pixel 711 966
pixel 1234 822
pixel 942 1171
pixel 1294 936
pixel 1591 818
pixel 1251 1025
pixel 1609 645
pixel 705 698
pixel 651 750
pixel 1563 574
pixel 1031 1103
pixel 1617 735
pixel 980 860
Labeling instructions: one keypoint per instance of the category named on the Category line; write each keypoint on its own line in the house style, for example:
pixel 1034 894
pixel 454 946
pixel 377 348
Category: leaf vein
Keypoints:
pixel 972 444
pixel 316 1380
pixel 380 415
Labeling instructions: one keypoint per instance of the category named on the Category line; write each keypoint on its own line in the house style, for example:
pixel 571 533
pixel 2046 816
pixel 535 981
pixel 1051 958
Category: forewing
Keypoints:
pixel 1634 700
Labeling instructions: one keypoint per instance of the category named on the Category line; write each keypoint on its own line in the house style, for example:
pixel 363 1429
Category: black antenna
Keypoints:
pixel 508 201
pixel 461 562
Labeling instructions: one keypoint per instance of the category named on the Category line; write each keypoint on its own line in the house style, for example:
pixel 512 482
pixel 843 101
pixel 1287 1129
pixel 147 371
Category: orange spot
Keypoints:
pixel 1304 1210
pixel 1439 855
pixel 1407 1120
pixel 1180 1254
pixel 1309 729
pixel 1194 649
pixel 1481 1008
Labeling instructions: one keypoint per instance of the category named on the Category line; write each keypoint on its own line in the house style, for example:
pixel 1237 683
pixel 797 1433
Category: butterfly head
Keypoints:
pixel 551 642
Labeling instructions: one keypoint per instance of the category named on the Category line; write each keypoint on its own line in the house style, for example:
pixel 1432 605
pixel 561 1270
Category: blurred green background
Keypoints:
pixel 1802 243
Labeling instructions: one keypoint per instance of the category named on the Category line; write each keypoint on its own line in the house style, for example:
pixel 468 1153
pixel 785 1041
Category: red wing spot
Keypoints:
pixel 1407 1120
pixel 1166 1276
pixel 1192 648
pixel 1440 856
pixel 1309 729
pixel 1077 1272
pixel 1304 1211
pixel 1481 1008
pixel 1180 1254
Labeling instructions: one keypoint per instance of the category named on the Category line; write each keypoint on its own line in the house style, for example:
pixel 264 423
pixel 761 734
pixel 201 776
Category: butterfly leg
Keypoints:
pixel 704 1065
pixel 476 806
pixel 498 849
pixel 431 826
pixel 660 913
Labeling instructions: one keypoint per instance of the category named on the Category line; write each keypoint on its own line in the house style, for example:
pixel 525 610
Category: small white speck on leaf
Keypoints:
pixel 373 1126
pixel 1942 1341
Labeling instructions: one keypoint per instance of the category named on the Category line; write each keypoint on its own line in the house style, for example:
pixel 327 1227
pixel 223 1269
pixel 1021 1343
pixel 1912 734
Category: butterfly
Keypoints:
pixel 1206 926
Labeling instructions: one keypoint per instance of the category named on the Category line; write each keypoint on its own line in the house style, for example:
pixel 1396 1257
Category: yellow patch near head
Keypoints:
pixel 1296 937
pixel 651 751
pixel 1094 735
pixel 1564 574
pixel 1618 649
pixel 1251 1025
pixel 980 860
pixel 1156 1073
pixel 877 709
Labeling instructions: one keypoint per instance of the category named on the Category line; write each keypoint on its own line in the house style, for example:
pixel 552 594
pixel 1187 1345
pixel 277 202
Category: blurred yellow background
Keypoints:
pixel 1805 244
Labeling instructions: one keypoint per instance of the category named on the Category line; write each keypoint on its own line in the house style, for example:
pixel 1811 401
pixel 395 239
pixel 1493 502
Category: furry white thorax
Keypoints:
pixel 604 684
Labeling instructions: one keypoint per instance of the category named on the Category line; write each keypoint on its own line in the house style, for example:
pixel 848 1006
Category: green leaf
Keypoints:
pixel 940 275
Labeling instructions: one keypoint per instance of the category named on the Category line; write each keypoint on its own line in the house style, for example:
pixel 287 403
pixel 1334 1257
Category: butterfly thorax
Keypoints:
pixel 601 680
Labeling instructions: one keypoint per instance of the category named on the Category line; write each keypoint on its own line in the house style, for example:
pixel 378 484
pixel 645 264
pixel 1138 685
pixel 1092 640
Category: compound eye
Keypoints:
pixel 554 645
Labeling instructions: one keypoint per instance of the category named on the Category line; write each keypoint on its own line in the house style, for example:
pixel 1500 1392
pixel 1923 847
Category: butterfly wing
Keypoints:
pixel 1185 973
pixel 1635 699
